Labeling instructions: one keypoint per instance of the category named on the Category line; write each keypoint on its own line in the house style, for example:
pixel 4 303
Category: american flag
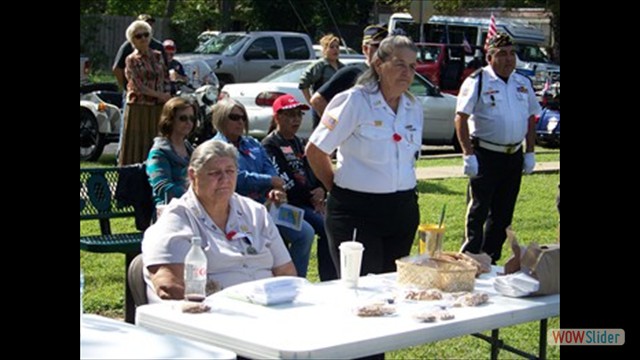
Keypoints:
pixel 547 85
pixel 492 31
pixel 466 45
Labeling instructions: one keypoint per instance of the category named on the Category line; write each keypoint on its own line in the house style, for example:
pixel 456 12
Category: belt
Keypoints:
pixel 507 149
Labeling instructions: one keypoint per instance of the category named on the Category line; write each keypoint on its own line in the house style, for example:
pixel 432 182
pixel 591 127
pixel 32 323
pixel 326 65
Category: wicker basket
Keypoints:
pixel 428 273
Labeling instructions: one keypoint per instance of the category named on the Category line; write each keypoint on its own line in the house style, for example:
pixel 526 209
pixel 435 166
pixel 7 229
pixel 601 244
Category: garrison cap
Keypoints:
pixel 373 34
pixel 500 40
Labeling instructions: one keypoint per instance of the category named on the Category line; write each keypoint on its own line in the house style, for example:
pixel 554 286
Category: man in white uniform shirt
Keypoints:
pixel 376 128
pixel 495 113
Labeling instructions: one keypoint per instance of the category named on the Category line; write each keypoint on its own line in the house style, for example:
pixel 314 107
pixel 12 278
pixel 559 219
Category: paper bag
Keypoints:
pixel 540 261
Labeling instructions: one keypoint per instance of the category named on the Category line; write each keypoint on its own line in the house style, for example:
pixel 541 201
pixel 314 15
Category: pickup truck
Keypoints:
pixel 447 65
pixel 250 56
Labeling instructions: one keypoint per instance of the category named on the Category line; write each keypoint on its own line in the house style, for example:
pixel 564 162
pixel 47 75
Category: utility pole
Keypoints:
pixel 226 7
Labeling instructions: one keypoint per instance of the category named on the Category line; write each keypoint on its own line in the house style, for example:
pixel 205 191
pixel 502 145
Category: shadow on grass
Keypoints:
pixel 425 187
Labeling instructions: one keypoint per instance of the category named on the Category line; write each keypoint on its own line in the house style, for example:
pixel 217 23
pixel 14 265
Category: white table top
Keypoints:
pixel 321 323
pixel 104 338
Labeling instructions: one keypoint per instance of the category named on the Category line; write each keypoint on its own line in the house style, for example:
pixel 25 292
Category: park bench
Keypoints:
pixel 98 188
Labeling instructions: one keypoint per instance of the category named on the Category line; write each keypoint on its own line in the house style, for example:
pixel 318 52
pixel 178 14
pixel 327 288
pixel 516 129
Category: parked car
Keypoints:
pixel 206 35
pixel 249 56
pixel 548 121
pixel 344 51
pixel 258 98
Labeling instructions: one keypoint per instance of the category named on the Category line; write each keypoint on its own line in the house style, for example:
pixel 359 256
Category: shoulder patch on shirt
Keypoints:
pixel 329 121
pixel 475 73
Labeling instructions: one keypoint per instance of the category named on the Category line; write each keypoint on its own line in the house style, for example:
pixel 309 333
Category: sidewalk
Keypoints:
pixel 442 172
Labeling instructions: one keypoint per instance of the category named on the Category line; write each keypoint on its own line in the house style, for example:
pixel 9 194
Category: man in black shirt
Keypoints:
pixel 347 76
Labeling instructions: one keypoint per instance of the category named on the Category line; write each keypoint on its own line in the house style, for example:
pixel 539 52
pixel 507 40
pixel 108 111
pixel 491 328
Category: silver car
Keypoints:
pixel 439 108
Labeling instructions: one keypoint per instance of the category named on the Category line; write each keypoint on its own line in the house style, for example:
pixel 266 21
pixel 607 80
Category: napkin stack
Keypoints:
pixel 276 291
pixel 271 291
pixel 517 284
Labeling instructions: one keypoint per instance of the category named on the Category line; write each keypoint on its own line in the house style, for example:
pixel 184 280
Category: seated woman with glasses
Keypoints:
pixel 257 176
pixel 239 238
pixel 169 156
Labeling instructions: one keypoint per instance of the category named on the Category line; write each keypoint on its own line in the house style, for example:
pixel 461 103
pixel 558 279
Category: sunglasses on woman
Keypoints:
pixel 141 35
pixel 236 117
pixel 187 117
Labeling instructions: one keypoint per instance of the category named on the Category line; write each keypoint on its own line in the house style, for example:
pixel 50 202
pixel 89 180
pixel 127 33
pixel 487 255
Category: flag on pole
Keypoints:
pixel 465 44
pixel 547 85
pixel 492 32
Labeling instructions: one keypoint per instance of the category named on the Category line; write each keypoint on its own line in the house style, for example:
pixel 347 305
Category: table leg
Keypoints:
pixel 495 343
pixel 542 352
pixel 129 305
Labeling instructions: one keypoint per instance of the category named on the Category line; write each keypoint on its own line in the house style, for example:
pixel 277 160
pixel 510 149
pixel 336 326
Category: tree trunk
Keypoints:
pixel 169 9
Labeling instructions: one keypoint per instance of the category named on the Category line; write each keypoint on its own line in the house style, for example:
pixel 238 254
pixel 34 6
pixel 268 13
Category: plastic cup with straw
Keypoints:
pixel 351 261
pixel 431 235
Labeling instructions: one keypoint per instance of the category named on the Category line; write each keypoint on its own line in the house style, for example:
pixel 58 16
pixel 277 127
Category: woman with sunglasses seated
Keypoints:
pixel 169 156
pixel 257 176
pixel 239 238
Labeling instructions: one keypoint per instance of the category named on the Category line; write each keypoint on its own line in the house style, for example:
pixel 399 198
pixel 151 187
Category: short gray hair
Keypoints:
pixel 384 52
pixel 135 26
pixel 212 149
pixel 222 109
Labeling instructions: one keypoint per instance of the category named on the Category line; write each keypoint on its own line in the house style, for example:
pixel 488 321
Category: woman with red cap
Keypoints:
pixel 303 189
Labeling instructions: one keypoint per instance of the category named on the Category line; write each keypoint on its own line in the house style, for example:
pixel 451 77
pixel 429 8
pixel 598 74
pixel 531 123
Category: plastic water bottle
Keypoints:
pixel 81 292
pixel 195 272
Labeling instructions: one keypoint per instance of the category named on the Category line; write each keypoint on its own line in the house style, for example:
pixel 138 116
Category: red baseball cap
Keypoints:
pixel 169 45
pixel 285 102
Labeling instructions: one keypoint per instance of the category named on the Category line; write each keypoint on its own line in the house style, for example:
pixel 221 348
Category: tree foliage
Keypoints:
pixel 190 17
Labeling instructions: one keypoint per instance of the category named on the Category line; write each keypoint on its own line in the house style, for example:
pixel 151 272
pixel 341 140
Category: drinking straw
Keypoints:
pixel 444 209
pixel 355 230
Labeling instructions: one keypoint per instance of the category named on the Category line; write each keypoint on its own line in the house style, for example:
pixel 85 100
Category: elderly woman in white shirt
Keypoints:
pixel 239 238
pixel 376 127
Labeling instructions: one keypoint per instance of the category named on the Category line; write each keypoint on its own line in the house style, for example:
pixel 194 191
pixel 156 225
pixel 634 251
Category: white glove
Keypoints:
pixel 470 165
pixel 529 162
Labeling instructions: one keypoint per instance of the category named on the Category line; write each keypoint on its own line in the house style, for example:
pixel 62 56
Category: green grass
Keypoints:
pixel 535 219
pixel 105 160
pixel 100 76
